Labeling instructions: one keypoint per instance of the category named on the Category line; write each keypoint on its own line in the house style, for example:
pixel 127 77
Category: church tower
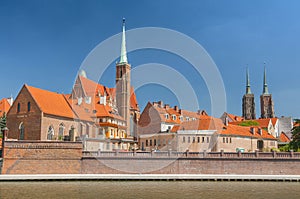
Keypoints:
pixel 248 101
pixel 123 83
pixel 266 101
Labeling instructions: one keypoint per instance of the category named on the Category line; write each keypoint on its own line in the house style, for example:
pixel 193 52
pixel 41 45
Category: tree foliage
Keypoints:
pixel 249 123
pixel 2 122
pixel 295 143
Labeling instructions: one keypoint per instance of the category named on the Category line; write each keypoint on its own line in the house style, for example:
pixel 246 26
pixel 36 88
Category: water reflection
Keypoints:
pixel 149 189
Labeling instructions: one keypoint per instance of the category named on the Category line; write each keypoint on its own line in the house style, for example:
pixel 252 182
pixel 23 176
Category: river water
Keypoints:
pixel 149 189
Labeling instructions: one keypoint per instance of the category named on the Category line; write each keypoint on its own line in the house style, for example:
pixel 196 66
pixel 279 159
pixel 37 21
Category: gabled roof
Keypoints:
pixel 92 88
pixel 284 138
pixel 4 106
pixel 263 123
pixel 50 102
pixel 246 132
pixel 202 123
pixel 235 118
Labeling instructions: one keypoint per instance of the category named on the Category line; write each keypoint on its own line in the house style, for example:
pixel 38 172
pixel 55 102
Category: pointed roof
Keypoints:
pixel 284 138
pixel 4 106
pixel 265 87
pixel 248 89
pixel 123 58
pixel 50 102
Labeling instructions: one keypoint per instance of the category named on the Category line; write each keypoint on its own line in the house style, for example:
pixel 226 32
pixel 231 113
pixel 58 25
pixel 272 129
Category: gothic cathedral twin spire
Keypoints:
pixel 266 102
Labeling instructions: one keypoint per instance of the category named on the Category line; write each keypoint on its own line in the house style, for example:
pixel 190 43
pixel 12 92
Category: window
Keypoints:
pixel 202 139
pixel 173 117
pixel 22 131
pixel 111 132
pixel 226 140
pixel 198 140
pixel 169 142
pixel 189 139
pixel 187 118
pixel 150 142
pixel 230 140
pixel 181 118
pixel 164 142
pixel 183 139
pixel 50 133
pixel 18 108
pixel 87 129
pixel 61 131
pixel 223 140
pixel 166 116
pixel 158 142
pixel 146 142
pixel 207 139
pixel 194 139
pixel 28 106
pixel 154 142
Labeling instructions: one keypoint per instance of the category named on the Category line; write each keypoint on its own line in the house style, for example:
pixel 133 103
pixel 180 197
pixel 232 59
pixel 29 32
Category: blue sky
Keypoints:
pixel 43 43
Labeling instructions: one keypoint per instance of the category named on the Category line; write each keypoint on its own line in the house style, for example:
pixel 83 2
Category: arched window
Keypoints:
pixel 61 131
pixel 28 106
pixel 18 108
pixel 22 131
pixel 50 133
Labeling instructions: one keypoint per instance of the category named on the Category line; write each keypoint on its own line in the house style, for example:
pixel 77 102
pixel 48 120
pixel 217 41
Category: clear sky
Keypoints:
pixel 43 43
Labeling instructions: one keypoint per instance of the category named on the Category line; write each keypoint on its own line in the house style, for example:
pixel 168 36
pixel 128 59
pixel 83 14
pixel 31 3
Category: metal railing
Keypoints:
pixel 207 155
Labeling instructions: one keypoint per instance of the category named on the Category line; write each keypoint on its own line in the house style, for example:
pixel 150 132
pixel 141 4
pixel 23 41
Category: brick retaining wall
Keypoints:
pixel 24 157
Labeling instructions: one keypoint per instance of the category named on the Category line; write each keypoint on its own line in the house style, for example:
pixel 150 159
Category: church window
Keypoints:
pixel 50 133
pixel 28 106
pixel 22 131
pixel 61 131
pixel 19 107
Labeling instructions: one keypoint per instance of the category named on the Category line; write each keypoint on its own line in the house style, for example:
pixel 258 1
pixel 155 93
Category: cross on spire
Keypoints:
pixel 265 87
pixel 248 89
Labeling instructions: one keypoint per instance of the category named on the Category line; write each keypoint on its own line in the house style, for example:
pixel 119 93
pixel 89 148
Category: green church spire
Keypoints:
pixel 248 89
pixel 123 58
pixel 265 88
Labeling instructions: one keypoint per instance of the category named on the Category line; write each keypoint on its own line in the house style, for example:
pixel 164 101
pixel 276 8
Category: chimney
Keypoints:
pixel 226 121
pixel 176 108
pixel 199 112
pixel 167 106
pixel 160 103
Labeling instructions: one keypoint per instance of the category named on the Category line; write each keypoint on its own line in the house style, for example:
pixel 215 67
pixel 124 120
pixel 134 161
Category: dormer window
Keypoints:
pixel 181 118
pixel 167 116
pixel 173 117
pixel 187 118
pixel 79 100
pixel 88 100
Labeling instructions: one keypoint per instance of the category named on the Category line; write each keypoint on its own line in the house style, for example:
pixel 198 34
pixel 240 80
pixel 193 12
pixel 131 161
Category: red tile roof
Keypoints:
pixel 246 132
pixel 235 118
pixel 284 138
pixel 263 123
pixel 51 103
pixel 4 106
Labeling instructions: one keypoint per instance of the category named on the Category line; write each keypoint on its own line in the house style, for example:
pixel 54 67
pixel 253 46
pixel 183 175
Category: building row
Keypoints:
pixel 108 119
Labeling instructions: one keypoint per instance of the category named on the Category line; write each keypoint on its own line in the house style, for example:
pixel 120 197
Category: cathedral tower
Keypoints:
pixel 248 101
pixel 123 83
pixel 266 101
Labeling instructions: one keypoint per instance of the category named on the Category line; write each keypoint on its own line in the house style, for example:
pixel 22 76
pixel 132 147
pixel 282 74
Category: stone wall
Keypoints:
pixel 29 157
pixel 67 158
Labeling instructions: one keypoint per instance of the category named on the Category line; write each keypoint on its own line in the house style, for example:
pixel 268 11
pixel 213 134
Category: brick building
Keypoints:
pixel 165 128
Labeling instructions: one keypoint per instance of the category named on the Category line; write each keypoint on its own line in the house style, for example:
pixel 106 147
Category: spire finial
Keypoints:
pixel 248 89
pixel 265 88
pixel 123 58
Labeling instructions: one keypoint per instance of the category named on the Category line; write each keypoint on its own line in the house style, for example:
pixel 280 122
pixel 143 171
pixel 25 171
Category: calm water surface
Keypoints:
pixel 150 189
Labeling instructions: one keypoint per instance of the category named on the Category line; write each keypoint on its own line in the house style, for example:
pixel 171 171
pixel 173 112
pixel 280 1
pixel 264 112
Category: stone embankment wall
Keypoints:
pixel 67 158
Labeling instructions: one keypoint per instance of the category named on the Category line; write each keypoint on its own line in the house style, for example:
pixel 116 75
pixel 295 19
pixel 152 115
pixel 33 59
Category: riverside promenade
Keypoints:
pixel 150 177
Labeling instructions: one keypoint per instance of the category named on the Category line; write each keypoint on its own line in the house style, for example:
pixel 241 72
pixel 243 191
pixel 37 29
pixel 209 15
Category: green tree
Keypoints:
pixel 295 143
pixel 2 123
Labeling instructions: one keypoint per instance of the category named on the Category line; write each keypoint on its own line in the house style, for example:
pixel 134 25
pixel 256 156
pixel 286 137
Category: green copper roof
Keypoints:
pixel 265 88
pixel 248 89
pixel 123 58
